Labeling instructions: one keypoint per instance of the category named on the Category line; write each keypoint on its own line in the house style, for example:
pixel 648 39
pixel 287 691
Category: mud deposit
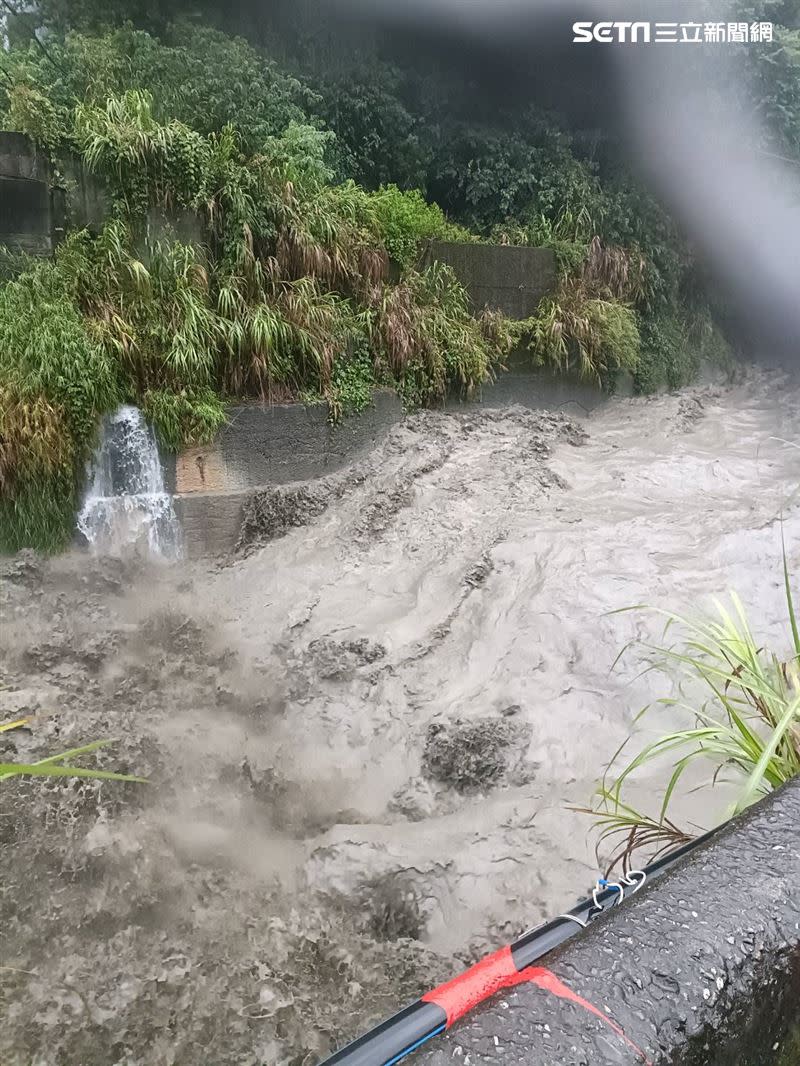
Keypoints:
pixel 362 738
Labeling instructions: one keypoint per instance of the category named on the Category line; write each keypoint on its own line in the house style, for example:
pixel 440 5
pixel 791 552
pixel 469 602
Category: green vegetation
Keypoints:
pixel 282 291
pixel 60 765
pixel 589 325
pixel 747 728
pixel 57 381
pixel 269 209
pixel 406 220
pixel 789 1052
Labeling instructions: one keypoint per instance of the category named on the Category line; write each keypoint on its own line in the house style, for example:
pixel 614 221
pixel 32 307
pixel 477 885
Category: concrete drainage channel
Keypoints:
pixel 701 969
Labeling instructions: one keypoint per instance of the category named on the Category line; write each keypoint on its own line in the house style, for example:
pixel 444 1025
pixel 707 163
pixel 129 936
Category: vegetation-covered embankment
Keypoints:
pixel 255 206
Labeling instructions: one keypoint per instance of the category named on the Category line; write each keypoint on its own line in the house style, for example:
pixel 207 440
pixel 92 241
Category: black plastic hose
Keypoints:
pixel 404 1032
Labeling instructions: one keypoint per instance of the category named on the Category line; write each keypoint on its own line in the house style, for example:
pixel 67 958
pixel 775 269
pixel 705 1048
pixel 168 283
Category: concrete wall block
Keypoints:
pixel 25 215
pixel 26 221
pixel 504 277
pixel 210 522
pixel 274 445
pixel 19 158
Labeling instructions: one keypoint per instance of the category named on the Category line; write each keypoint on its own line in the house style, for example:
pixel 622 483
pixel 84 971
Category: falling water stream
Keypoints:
pixel 127 506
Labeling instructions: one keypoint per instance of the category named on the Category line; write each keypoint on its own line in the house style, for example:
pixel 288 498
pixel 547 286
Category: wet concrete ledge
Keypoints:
pixel 701 969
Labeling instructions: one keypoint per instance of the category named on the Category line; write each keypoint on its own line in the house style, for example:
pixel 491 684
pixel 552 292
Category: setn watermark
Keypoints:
pixel 672 32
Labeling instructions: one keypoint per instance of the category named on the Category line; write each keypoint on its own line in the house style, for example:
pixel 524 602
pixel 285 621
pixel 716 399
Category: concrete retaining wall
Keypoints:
pixel 26 216
pixel 285 443
pixel 19 158
pixel 502 277
pixel 33 211
pixel 273 445
pixel 702 968
pixel 26 210
pixel 264 446
pixel 522 383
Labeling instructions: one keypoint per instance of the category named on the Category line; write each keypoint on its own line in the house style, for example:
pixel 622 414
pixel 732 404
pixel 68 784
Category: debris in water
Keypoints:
pixel 477 754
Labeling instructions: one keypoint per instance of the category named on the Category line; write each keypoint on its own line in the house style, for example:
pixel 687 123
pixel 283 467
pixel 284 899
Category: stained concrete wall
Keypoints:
pixel 701 968
pixel 520 382
pixel 26 219
pixel 503 277
pixel 288 443
pixel 26 206
pixel 34 213
pixel 211 522
pixel 263 446
pixel 278 443
pixel 19 158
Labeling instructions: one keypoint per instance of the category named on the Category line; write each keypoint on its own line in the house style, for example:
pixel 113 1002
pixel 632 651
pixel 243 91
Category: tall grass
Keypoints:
pixel 590 336
pixel 293 275
pixel 589 325
pixel 747 729
pixel 56 383
pixel 429 341
pixel 60 765
pixel 231 273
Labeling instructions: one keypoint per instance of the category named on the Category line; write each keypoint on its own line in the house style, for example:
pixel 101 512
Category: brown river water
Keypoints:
pixel 364 740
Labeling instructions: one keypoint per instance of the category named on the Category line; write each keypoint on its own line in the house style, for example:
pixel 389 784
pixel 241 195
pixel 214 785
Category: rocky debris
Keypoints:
pixel 339 659
pixel 392 908
pixel 476 754
pixel 273 512
pixel 691 410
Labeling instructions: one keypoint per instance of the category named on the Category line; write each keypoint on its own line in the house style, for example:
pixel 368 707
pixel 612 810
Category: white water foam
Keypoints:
pixel 126 507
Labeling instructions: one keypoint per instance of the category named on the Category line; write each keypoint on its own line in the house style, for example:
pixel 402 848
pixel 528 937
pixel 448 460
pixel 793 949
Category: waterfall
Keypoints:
pixel 126 506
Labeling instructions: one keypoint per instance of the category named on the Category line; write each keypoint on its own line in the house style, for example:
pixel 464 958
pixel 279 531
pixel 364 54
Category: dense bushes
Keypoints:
pixel 195 75
pixel 264 241
pixel 56 382
pixel 406 219
pixel 282 291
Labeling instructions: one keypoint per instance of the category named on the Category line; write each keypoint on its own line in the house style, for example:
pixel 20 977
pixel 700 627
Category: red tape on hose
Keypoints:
pixel 458 997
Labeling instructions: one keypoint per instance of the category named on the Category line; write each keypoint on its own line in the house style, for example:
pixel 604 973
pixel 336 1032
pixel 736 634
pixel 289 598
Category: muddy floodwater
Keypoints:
pixel 364 736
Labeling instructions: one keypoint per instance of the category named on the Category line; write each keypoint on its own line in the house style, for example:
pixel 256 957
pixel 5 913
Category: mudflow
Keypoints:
pixel 365 734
